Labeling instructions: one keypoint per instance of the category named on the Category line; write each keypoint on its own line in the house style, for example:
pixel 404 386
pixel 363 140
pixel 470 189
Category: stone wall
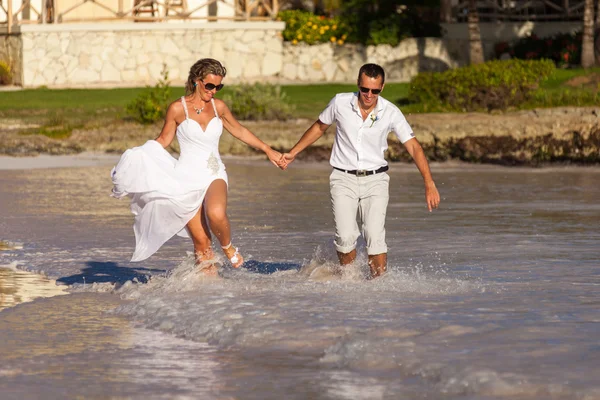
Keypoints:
pixel 332 63
pixel 11 53
pixel 133 54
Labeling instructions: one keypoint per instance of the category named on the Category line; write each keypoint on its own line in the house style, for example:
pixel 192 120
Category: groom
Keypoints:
pixel 359 183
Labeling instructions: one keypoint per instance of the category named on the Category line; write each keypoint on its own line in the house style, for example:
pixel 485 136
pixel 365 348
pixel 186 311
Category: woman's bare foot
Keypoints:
pixel 202 256
pixel 210 270
pixel 204 262
pixel 233 255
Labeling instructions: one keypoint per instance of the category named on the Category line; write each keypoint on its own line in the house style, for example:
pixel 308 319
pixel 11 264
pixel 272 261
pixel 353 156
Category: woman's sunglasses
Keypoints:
pixel 211 86
pixel 366 90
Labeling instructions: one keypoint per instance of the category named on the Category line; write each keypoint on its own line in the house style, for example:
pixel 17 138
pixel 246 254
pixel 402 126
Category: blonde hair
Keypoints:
pixel 202 68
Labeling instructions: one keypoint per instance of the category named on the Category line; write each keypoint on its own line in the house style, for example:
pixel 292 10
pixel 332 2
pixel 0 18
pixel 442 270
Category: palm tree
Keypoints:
pixel 475 46
pixel 587 45
pixel 446 10
pixel 597 33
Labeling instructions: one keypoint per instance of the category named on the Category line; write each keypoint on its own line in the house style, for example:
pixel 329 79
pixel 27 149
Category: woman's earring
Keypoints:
pixel 195 84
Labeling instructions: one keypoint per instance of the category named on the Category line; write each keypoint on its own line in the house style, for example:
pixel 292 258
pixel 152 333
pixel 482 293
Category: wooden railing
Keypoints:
pixel 50 11
pixel 523 10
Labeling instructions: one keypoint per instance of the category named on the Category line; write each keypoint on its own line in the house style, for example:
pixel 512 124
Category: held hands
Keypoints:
pixel 432 196
pixel 284 160
pixel 279 160
pixel 276 157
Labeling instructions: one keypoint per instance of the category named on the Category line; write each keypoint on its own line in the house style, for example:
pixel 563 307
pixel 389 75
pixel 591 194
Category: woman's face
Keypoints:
pixel 208 86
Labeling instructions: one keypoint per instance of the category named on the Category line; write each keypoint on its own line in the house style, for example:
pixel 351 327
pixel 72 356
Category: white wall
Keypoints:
pixel 133 54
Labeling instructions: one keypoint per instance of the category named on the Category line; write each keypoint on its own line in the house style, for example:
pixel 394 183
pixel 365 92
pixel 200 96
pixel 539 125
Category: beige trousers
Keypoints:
pixel 359 200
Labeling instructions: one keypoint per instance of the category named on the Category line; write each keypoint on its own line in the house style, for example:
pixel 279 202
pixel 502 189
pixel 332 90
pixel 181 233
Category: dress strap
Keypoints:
pixel 215 108
pixel 185 107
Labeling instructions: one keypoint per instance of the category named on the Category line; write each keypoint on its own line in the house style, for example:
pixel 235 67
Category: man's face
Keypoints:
pixel 366 85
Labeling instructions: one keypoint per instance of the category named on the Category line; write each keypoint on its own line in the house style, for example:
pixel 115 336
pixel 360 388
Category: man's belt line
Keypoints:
pixel 363 172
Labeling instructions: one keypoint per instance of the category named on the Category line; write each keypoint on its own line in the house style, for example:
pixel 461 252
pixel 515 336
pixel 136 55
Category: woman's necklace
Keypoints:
pixel 198 110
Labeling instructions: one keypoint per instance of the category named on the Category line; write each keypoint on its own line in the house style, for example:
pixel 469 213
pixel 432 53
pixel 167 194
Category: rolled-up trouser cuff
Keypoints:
pixel 344 249
pixel 374 250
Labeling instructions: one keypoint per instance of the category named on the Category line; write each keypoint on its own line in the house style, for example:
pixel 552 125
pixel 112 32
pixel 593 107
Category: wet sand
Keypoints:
pixel 86 159
pixel 492 296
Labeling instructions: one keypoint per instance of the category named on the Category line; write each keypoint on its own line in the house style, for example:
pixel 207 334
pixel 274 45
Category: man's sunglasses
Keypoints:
pixel 211 86
pixel 366 90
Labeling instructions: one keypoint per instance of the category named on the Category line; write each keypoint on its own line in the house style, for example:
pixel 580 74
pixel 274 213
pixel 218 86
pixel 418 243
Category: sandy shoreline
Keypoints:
pixel 94 159
pixel 86 159
pixel 522 138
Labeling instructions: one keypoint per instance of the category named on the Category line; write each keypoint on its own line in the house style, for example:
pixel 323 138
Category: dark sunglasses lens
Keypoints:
pixel 211 86
pixel 366 90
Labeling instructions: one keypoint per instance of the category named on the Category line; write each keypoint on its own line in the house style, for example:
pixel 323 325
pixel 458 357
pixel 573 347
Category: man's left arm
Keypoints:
pixel 432 197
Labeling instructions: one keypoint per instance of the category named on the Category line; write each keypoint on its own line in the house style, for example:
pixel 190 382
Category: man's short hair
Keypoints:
pixel 372 71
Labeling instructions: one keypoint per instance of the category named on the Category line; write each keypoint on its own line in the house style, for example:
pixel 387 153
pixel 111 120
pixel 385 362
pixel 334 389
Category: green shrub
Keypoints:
pixel 151 105
pixel 386 31
pixel 306 27
pixel 5 73
pixel 385 23
pixel 562 48
pixel 488 86
pixel 359 22
pixel 259 101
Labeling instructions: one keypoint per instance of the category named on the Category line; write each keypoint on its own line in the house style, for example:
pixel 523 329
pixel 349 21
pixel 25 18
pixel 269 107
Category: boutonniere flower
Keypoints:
pixel 374 118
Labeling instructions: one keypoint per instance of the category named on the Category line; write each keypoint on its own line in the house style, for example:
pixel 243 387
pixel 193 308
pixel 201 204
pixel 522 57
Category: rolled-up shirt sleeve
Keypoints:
pixel 401 127
pixel 328 115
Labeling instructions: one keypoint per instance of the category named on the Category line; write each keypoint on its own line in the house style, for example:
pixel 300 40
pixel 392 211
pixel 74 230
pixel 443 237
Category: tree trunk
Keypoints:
pixel 597 33
pixel 587 45
pixel 446 11
pixel 475 45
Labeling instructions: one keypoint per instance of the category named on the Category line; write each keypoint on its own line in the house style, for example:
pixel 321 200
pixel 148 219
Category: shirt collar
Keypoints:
pixel 354 103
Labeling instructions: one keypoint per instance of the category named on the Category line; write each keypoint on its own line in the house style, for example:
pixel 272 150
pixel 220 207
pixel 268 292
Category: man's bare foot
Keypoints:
pixel 376 273
pixel 346 258
pixel 233 255
pixel 378 265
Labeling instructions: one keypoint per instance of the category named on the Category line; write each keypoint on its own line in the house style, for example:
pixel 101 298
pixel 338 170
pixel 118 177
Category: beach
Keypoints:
pixel 494 295
pixel 544 136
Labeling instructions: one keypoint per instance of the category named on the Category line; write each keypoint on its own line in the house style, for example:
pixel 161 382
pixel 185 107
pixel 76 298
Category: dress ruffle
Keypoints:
pixel 164 198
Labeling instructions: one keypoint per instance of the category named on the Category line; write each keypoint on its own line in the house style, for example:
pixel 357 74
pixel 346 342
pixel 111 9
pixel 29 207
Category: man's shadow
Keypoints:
pixel 103 272
pixel 268 268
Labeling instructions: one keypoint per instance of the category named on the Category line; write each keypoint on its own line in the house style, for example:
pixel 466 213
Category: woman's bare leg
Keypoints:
pixel 200 233
pixel 215 204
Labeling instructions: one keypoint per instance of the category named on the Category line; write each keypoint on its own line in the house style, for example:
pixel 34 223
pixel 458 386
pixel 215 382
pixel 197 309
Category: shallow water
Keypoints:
pixel 495 295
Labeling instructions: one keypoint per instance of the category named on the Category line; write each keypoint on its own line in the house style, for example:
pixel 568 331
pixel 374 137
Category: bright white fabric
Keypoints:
pixel 358 144
pixel 166 192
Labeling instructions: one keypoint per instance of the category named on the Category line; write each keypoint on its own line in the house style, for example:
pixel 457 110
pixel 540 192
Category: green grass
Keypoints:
pixel 73 99
pixel 561 76
pixel 308 100
pixel 78 106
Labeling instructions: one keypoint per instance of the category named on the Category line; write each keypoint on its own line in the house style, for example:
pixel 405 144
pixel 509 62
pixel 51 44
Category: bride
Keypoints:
pixel 186 196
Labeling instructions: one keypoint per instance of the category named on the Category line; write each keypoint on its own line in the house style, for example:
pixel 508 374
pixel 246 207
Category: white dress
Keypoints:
pixel 167 192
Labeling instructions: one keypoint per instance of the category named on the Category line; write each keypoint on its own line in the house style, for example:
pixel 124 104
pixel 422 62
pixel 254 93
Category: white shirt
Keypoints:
pixel 358 144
